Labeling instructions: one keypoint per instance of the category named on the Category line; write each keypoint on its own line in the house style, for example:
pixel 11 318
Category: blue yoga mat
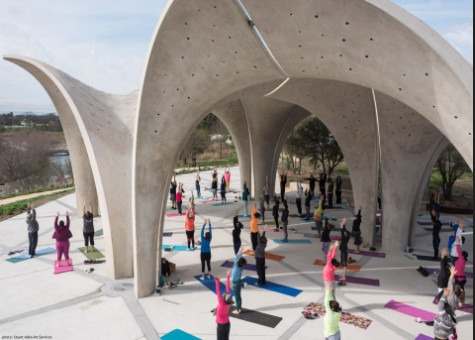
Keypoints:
pixel 178 334
pixel 297 241
pixel 209 283
pixel 307 219
pixel 24 257
pixel 174 248
pixel 248 266
pixel 244 216
pixel 221 204
pixel 275 287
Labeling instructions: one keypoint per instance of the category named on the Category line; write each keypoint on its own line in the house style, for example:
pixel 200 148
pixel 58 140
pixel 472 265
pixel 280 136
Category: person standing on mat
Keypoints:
pixel 283 183
pixel 444 273
pixel 33 227
pixel 214 184
pixel 298 198
pixel 88 227
pixel 254 226
pixel 245 198
pixel 205 254
pixel 311 184
pixel 260 255
pixel 62 234
pixel 238 226
pixel 285 222
pixel 338 184
pixel 321 183
pixel 345 238
pixel 308 198
pixel 318 216
pixel 173 192
pixel 275 212
pixel 460 264
pixel 197 184
pixel 331 320
pixel 356 231
pixel 179 198
pixel 190 226
pixel 330 193
pixel 236 278
pixel 227 177
pixel 325 238
pixel 223 190
pixel 262 209
pixel 330 267
pixel 458 240
pixel 266 194
pixel 436 226
pixel 222 311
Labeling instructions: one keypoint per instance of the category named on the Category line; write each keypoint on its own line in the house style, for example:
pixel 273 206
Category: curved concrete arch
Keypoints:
pixel 377 45
pixel 98 131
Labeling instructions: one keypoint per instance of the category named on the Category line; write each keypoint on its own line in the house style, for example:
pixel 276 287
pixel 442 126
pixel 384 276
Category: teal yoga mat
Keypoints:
pixel 174 248
pixel 24 257
pixel 219 204
pixel 178 334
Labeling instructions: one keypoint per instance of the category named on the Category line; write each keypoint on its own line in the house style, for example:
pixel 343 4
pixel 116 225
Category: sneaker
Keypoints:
pixel 236 311
pixel 342 283
pixel 418 320
pixel 276 229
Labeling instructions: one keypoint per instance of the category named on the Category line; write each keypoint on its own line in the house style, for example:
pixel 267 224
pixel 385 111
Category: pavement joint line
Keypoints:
pixel 293 328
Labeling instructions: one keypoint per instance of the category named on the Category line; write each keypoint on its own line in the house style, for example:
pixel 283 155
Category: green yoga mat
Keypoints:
pixel 99 232
pixel 92 256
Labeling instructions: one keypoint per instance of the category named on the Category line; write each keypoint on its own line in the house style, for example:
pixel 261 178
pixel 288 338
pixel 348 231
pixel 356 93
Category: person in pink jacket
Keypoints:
pixel 62 234
pixel 222 311
pixel 331 265
pixel 460 277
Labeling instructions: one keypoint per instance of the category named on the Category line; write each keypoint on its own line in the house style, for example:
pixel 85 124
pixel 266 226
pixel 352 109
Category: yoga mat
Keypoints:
pixel 92 256
pixel 210 284
pixel 248 266
pixel 174 248
pixel 275 287
pixel 167 234
pixel 367 253
pixel 178 334
pixel 467 309
pixel 174 215
pixel 268 222
pixel 256 317
pixel 269 256
pixel 335 238
pixel 100 232
pixel 306 219
pixel 63 268
pixel 24 257
pixel 345 317
pixel 424 337
pixel 428 258
pixel 443 230
pixel 310 235
pixel 360 280
pixel 244 216
pixel 221 204
pixel 409 310
pixel 297 241
pixel 436 270
pixel 352 267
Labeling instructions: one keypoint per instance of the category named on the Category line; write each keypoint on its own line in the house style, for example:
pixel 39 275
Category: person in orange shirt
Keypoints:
pixel 190 226
pixel 254 226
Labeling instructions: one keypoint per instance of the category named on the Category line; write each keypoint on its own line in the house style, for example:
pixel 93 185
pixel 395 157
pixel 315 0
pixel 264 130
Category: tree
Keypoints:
pixel 197 143
pixel 311 139
pixel 451 166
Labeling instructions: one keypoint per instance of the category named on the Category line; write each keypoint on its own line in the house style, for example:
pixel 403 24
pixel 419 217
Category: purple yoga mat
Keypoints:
pixel 409 310
pixel 424 337
pixel 367 253
pixel 335 238
pixel 467 309
pixel 360 280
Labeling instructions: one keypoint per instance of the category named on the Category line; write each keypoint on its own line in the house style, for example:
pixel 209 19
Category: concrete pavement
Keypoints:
pixel 82 305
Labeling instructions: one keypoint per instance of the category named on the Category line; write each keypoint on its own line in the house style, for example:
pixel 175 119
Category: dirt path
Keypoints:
pixel 25 197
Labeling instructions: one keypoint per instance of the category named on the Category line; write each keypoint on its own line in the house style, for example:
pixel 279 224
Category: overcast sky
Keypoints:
pixel 103 43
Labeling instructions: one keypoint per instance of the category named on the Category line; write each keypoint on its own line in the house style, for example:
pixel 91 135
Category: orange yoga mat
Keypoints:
pixel 269 256
pixel 352 267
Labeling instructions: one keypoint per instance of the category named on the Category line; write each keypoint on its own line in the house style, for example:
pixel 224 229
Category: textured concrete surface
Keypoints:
pixel 78 305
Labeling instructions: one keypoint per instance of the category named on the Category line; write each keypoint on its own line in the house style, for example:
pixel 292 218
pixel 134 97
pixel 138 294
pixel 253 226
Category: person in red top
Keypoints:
pixel 62 234
pixel 222 311
pixel 190 226
pixel 330 266
pixel 460 264
pixel 179 197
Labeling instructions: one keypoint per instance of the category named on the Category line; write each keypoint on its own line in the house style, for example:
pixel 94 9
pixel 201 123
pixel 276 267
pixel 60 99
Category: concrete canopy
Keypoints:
pixel 390 89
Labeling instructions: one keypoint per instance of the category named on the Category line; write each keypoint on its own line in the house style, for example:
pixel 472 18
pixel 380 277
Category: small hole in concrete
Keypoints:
pixel 350 69
pixel 400 89
pixel 300 46
pixel 323 35
pixel 427 74
pixel 156 131
pixel 290 14
pixel 343 39
pixel 347 23
pixel 455 117
pixel 366 56
pixel 316 16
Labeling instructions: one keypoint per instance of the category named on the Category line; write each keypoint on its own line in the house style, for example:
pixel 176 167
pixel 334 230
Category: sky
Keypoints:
pixel 104 43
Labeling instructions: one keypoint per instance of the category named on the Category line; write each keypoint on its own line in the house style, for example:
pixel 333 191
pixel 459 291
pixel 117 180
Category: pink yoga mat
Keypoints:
pixel 63 268
pixel 409 310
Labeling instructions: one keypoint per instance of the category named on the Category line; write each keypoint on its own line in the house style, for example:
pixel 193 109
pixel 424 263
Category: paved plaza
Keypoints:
pixel 88 305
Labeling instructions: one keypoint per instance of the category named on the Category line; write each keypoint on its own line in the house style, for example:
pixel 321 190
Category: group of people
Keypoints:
pixel 61 234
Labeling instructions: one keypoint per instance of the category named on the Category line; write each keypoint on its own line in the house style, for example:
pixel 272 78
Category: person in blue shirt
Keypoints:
pixel 236 274
pixel 206 248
